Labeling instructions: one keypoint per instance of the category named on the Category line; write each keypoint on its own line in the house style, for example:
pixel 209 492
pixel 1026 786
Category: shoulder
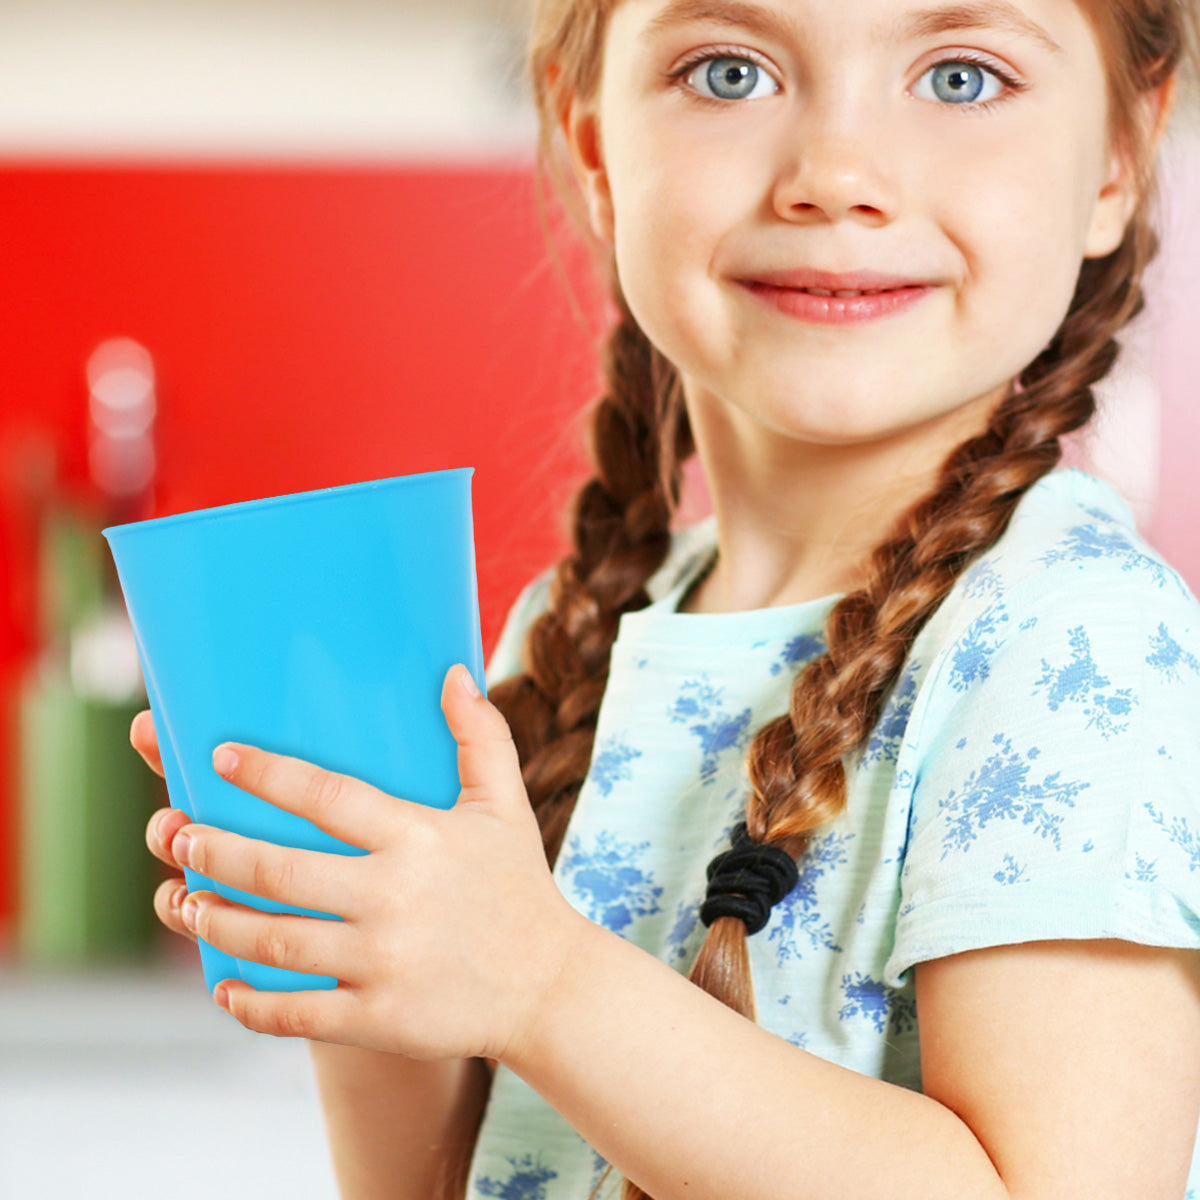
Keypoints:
pixel 690 547
pixel 1071 526
pixel 1071 553
pixel 1070 616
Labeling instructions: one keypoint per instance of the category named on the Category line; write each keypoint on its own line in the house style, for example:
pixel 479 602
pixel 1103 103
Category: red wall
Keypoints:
pixel 311 327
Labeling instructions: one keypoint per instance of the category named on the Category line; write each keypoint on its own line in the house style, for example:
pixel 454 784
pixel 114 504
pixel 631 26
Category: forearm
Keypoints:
pixel 694 1102
pixel 396 1125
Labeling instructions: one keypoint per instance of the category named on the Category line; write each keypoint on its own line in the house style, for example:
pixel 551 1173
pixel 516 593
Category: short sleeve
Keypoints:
pixel 528 606
pixel 1055 772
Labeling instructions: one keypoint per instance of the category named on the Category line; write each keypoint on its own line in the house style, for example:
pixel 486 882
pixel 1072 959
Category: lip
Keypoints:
pixel 847 281
pixel 834 310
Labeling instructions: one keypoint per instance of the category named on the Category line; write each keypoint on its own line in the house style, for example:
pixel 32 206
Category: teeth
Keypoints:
pixel 840 295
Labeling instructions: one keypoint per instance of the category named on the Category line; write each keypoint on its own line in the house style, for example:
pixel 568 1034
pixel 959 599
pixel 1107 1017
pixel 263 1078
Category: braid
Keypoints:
pixel 620 521
pixel 796 762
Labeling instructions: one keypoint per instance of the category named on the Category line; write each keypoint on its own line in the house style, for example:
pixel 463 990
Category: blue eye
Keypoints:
pixel 730 78
pixel 963 81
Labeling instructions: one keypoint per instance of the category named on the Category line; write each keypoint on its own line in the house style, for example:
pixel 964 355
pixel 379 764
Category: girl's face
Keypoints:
pixel 733 142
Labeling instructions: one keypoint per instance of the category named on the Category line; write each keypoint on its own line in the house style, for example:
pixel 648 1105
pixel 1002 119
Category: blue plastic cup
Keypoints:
pixel 319 625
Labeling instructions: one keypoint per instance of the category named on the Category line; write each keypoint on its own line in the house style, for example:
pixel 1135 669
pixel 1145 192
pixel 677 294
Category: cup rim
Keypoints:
pixel 243 506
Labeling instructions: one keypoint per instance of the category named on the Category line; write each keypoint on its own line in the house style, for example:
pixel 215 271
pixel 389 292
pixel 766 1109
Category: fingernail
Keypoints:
pixel 467 682
pixel 180 848
pixel 221 996
pixel 225 761
pixel 190 908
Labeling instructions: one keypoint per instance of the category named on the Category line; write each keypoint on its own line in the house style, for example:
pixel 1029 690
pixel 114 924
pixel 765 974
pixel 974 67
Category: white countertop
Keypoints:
pixel 130 1082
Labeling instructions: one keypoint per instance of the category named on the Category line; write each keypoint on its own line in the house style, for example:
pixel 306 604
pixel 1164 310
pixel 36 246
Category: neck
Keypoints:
pixel 798 521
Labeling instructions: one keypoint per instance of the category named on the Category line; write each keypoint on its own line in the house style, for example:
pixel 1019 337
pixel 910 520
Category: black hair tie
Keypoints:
pixel 748 881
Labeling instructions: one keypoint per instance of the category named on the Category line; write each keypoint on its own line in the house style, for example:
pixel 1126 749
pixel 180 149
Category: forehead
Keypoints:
pixel 1042 23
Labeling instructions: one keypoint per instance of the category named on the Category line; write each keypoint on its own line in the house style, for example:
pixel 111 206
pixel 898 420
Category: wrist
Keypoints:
pixel 569 952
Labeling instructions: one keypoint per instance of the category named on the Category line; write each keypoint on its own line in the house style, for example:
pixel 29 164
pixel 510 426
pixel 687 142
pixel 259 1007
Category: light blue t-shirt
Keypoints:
pixel 1034 775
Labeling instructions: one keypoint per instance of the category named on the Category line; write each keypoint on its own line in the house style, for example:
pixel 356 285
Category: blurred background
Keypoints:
pixel 253 247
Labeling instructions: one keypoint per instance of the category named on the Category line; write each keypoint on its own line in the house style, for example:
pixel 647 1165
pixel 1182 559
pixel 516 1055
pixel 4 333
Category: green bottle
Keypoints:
pixel 86 878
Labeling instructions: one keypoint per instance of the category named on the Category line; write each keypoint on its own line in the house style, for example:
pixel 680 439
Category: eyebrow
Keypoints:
pixel 982 13
pixel 976 14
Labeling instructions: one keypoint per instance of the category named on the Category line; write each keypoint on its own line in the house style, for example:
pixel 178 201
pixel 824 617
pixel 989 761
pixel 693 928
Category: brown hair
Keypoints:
pixel 640 439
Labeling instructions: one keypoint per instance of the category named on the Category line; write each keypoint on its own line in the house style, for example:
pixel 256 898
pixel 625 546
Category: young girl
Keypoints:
pixel 872 799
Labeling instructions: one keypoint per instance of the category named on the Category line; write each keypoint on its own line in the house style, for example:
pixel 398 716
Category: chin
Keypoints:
pixel 841 428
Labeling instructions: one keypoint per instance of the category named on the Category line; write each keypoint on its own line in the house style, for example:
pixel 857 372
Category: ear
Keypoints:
pixel 1119 197
pixel 580 123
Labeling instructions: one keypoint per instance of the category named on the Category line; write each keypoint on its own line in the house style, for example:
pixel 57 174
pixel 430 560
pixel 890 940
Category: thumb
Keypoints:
pixel 488 766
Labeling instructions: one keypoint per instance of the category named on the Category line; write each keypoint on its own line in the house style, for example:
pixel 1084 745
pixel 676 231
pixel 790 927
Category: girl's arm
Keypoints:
pixel 396 1125
pixel 1058 1070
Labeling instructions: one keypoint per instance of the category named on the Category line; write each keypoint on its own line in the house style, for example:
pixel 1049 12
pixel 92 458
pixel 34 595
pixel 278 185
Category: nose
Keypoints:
pixel 833 170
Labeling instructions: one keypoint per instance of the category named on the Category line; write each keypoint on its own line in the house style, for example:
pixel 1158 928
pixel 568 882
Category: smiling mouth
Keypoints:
pixel 838 307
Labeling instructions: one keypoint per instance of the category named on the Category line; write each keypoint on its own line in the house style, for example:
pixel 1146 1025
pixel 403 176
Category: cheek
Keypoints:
pixel 1023 242
pixel 674 210
pixel 663 248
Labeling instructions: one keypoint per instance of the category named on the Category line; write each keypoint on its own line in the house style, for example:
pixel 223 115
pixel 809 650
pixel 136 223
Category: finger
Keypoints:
pixel 319 1016
pixel 160 833
pixel 145 740
pixel 488 766
pixel 345 808
pixel 302 878
pixel 167 901
pixel 310 944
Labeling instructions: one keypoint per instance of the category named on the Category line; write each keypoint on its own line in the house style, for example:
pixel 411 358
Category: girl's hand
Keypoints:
pixel 161 830
pixel 453 929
